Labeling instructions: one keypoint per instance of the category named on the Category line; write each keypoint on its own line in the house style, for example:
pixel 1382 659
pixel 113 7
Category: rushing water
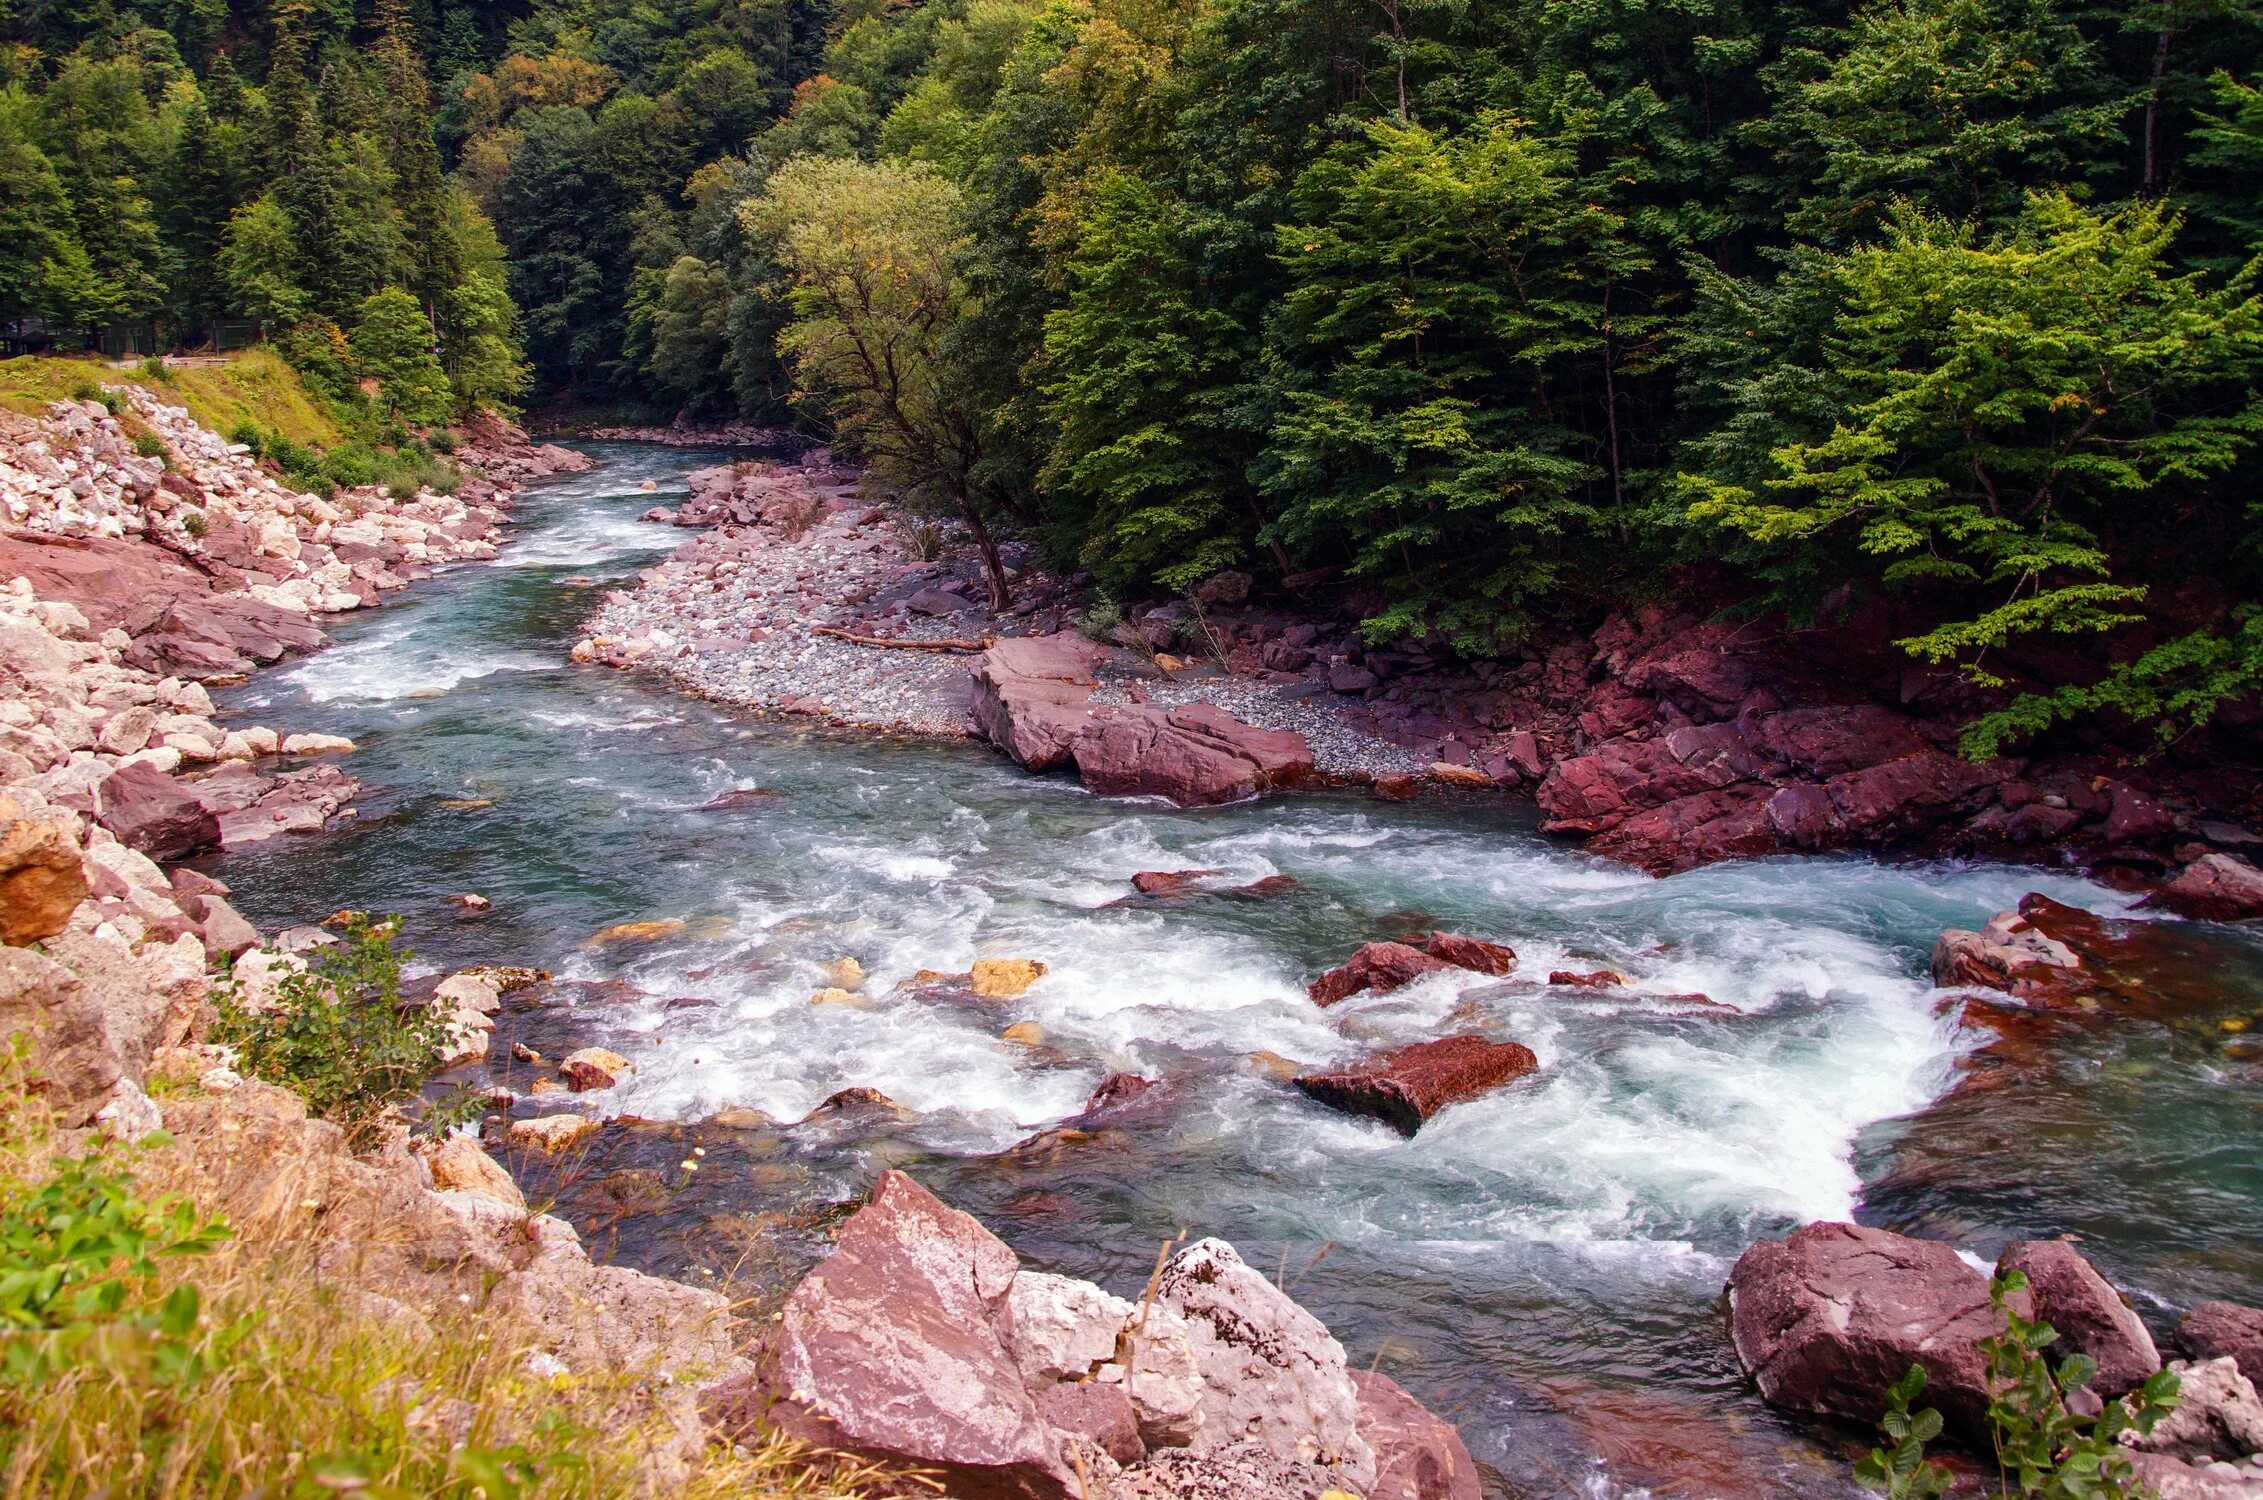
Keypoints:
pixel 1543 1265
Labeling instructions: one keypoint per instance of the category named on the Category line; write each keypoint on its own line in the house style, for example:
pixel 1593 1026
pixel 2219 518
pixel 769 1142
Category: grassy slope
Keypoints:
pixel 254 386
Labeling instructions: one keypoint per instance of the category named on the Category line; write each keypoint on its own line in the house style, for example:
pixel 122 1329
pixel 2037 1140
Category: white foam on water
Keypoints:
pixel 390 665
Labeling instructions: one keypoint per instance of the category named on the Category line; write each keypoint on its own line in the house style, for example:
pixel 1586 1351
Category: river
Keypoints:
pixel 1543 1266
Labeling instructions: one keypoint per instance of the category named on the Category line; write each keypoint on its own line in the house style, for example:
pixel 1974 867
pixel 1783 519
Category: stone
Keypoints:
pixel 1406 1086
pixel 469 990
pixel 2172 1479
pixel 2218 1415
pixel 223 928
pixel 317 744
pixel 626 933
pixel 2225 1329
pixel 1827 1320
pixel 594 1068
pixel 1031 695
pixel 2213 888
pixel 1594 979
pixel 891 1349
pixel 1418 1455
pixel 551 1132
pixel 1196 755
pixel 1273 1374
pixel 1474 954
pixel 151 812
pixel 76 1052
pixel 458 1163
pixel 1462 776
pixel 42 879
pixel 1381 967
pixel 2010 954
pixel 1005 978
pixel 1024 1034
pixel 1165 882
pixel 2066 1291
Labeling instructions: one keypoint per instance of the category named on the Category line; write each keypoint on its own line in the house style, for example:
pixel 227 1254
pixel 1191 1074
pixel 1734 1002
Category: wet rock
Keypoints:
pixel 2066 1291
pixel 739 799
pixel 2010 954
pixel 2173 1479
pixel 458 1163
pixel 2218 1415
pixel 42 880
pixel 891 1348
pixel 594 1068
pixel 1114 1095
pixel 627 933
pixel 1418 1456
pixel 1471 953
pixel 1031 696
pixel 1005 978
pixel 2213 888
pixel 1405 1087
pixel 1829 1319
pixel 2215 1330
pixel 151 812
pixel 1381 967
pixel 1594 979
pixel 552 1132
pixel 1195 756
pixel 1164 882
pixel 1273 1373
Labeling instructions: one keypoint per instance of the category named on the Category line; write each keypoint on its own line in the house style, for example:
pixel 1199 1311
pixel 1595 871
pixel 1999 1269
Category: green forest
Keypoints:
pixel 1939 315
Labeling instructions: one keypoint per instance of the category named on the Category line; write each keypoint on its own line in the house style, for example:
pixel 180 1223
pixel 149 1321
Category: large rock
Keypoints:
pixel 2219 1329
pixel 42 880
pixel 1471 953
pixel 2066 1291
pixel 1376 966
pixel 2010 954
pixel 1030 696
pixel 891 1348
pixel 2217 1416
pixel 1195 756
pixel 1829 1319
pixel 1274 1374
pixel 1405 1087
pixel 1418 1456
pixel 75 1056
pixel 150 811
pixel 2214 888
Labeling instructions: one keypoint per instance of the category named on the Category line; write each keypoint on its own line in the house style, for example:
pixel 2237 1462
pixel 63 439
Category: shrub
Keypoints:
pixel 154 368
pixel 87 390
pixel 340 1034
pixel 1101 621
pixel 443 440
pixel 150 445
pixel 194 523
pixel 248 434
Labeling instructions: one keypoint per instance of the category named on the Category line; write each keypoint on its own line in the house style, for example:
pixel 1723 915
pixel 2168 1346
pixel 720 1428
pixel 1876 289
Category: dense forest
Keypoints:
pixel 1938 313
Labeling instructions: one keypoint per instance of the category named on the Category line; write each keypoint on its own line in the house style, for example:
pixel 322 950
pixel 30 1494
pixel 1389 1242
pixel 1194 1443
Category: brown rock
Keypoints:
pixel 1598 979
pixel 2218 1330
pixel 1418 1455
pixel 458 1163
pixel 1403 1088
pixel 1163 882
pixel 1471 953
pixel 594 1068
pixel 1194 756
pixel 1005 978
pixel 1376 966
pixel 2213 888
pixel 1829 1319
pixel 890 1350
pixel 1030 696
pixel 2067 1292
pixel 42 880
pixel 150 811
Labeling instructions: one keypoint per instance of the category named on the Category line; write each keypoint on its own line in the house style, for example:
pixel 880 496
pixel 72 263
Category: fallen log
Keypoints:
pixel 880 640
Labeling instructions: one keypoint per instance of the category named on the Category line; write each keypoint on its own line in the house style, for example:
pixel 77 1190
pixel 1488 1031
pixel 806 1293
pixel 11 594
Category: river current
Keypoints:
pixel 1543 1266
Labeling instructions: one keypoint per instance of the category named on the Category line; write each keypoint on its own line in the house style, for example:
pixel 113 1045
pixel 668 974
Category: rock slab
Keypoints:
pixel 1405 1087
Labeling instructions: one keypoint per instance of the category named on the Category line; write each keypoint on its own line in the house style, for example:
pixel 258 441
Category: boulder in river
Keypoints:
pixel 1196 755
pixel 1376 966
pixel 1418 1455
pixel 1827 1320
pixel 2214 888
pixel 1474 954
pixel 1030 696
pixel 1405 1087
pixel 2066 1291
pixel 594 1068
pixel 2217 1329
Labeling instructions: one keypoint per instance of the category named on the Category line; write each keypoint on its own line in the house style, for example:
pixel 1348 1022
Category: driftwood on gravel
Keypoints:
pixel 880 640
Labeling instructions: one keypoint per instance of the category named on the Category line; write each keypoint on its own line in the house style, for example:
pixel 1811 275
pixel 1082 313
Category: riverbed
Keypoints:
pixel 1542 1266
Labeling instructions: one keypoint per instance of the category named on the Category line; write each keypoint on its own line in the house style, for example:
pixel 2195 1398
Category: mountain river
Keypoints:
pixel 1543 1266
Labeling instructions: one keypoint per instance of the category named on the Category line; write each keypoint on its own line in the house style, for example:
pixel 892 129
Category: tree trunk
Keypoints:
pixel 2148 185
pixel 992 569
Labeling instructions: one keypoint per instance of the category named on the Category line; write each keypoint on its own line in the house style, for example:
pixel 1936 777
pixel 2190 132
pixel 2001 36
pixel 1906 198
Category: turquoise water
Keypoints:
pixel 1543 1265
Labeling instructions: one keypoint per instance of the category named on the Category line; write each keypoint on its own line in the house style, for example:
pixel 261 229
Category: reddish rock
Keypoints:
pixel 1376 966
pixel 1114 1097
pixel 1597 979
pixel 1031 695
pixel 42 878
pixel 891 1349
pixel 2134 818
pixel 1604 788
pixel 1101 1414
pixel 1418 1455
pixel 1837 738
pixel 1829 1319
pixel 1471 953
pixel 150 811
pixel 1270 885
pixel 1407 1086
pixel 1693 831
pixel 2213 888
pixel 1163 882
pixel 2066 1291
pixel 1195 756
pixel 2225 1330
pixel 1911 794
pixel 738 798
pixel 1395 786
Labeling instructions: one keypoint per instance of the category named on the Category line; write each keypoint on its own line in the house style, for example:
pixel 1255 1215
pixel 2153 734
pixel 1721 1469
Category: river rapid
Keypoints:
pixel 1543 1266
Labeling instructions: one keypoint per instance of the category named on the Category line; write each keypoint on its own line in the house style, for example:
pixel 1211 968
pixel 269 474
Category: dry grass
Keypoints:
pixel 254 386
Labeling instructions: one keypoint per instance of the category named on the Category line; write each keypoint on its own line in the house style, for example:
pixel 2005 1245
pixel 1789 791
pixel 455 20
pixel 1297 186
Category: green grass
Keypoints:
pixel 254 386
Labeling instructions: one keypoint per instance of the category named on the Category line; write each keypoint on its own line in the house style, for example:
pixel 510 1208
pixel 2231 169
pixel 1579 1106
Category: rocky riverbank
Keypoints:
pixel 1661 739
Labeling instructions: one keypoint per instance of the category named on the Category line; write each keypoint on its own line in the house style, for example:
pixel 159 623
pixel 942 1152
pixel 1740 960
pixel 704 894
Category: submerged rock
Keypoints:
pixel 1404 1088
pixel 1381 967
pixel 1418 1456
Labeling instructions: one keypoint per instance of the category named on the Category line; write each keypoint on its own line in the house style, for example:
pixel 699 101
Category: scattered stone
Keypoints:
pixel 1405 1087
pixel 457 1162
pixel 622 934
pixel 551 1132
pixel 317 744
pixel 1165 882
pixel 1005 978
pixel 1471 953
pixel 594 1068
pixel 1594 979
